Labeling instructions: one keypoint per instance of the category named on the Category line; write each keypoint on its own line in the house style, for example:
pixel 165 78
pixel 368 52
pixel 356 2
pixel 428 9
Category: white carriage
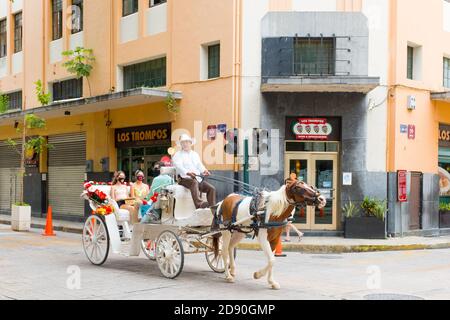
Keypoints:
pixel 182 230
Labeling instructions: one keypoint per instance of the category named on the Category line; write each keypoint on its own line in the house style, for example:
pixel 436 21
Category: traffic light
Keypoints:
pixel 260 141
pixel 231 137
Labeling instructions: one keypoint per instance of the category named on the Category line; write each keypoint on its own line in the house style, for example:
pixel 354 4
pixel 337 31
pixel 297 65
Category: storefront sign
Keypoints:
pixel 152 135
pixel 411 132
pixel 444 135
pixel 401 186
pixel 31 158
pixel 313 129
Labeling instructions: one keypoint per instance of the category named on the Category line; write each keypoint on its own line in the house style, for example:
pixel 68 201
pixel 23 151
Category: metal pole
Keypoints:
pixel 246 164
pixel 236 165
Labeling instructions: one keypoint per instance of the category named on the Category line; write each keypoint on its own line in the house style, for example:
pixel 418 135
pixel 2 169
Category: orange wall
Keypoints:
pixel 420 23
pixel 190 23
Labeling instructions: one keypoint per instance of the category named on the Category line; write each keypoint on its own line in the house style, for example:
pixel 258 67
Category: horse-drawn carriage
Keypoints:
pixel 182 230
pixel 186 230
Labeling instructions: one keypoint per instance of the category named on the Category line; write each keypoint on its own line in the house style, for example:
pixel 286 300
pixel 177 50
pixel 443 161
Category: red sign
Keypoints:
pixel 401 186
pixel 411 132
pixel 312 129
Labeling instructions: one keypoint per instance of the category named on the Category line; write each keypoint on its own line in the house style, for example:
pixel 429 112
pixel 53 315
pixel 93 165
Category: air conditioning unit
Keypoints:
pixel 411 102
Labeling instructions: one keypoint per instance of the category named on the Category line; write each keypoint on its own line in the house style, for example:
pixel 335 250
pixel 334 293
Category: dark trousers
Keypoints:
pixel 195 187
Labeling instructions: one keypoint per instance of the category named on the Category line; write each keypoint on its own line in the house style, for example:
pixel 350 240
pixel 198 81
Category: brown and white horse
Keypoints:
pixel 278 206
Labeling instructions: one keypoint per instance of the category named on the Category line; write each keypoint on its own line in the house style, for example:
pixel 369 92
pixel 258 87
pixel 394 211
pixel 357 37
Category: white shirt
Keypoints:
pixel 188 161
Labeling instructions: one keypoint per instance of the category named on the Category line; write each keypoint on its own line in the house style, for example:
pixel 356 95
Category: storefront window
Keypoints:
pixel 137 152
pixel 444 175
pixel 132 159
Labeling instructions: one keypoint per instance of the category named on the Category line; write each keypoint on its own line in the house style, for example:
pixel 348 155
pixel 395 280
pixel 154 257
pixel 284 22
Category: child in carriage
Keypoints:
pixel 152 213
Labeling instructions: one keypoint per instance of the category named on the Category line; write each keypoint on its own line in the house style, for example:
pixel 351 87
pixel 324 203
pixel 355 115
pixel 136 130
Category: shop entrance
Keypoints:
pixel 132 159
pixel 319 170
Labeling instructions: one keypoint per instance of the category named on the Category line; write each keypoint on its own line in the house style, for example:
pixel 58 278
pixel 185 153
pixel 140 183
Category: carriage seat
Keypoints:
pixel 184 205
pixel 122 215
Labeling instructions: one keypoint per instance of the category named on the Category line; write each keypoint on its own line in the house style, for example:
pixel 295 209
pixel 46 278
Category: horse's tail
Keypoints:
pixel 215 227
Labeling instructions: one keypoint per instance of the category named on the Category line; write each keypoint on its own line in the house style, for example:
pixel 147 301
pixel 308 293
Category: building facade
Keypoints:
pixel 349 91
pixel 358 90
pixel 148 54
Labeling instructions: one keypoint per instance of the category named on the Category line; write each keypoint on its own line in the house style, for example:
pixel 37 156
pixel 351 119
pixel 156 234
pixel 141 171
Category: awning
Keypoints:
pixel 117 100
pixel 441 96
pixel 354 84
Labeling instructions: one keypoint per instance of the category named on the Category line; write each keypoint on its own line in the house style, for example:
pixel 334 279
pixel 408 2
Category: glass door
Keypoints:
pixel 320 171
pixel 324 179
pixel 299 165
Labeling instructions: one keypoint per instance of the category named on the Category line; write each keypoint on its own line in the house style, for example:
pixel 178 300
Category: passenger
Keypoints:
pixel 153 213
pixel 140 190
pixel 119 193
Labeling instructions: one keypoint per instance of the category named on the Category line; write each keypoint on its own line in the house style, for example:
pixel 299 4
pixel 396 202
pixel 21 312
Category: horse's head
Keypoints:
pixel 299 193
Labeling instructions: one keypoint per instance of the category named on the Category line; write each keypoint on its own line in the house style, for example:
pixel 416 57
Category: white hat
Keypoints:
pixel 185 137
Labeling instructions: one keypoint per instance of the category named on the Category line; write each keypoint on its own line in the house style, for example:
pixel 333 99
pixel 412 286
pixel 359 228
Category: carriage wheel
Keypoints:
pixel 96 240
pixel 216 263
pixel 148 249
pixel 169 254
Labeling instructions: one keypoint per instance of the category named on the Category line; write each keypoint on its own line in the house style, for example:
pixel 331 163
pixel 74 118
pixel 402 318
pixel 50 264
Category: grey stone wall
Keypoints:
pixel 349 28
pixel 351 108
pixel 398 219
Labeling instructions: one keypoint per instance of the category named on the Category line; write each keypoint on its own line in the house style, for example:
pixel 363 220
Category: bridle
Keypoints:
pixel 308 200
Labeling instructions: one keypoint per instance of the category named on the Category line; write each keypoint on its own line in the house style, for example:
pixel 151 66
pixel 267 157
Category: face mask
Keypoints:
pixel 140 178
pixel 121 179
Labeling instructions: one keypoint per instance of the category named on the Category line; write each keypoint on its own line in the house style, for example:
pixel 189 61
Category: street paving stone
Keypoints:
pixel 36 267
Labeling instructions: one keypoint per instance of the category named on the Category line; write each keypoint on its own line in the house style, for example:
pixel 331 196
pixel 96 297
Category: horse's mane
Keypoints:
pixel 276 202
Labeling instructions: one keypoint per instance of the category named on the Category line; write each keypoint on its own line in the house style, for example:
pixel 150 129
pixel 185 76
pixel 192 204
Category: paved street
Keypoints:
pixel 35 267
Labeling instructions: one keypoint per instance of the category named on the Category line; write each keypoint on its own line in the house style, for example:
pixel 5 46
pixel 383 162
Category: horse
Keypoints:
pixel 277 205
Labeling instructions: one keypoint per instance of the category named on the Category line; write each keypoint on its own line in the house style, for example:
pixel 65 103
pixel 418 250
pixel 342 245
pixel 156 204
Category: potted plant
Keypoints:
pixel 444 215
pixel 370 225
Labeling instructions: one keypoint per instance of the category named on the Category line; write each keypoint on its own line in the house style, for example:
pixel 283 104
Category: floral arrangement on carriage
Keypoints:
pixel 98 198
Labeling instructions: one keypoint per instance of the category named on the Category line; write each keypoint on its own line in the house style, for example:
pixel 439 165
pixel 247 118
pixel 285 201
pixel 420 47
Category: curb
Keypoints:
pixel 296 247
pixel 310 248
pixel 55 228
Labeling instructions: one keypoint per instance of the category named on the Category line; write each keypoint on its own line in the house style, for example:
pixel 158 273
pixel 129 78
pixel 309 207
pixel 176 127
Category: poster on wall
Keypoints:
pixel 401 186
pixel 212 132
pixel 444 180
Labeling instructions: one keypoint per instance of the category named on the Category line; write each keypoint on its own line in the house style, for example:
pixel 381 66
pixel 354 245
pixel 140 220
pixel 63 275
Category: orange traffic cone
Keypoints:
pixel 279 249
pixel 48 231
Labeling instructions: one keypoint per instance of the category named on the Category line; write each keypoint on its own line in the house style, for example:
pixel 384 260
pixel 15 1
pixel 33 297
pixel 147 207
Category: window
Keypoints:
pixel 15 100
pixel 129 7
pixel 447 72
pixel 214 61
pixel 77 16
pixel 3 38
pixel 156 2
pixel 446 15
pixel 57 15
pixel 410 69
pixel 68 89
pixel 18 32
pixel 146 74
pixel 315 56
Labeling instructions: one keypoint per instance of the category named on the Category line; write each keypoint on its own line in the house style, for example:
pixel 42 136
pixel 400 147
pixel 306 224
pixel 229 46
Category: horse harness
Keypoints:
pixel 258 219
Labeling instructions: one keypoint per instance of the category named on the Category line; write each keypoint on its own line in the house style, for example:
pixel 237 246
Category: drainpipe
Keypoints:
pixel 237 74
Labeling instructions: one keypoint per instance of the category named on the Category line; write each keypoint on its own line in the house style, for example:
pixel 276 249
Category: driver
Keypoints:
pixel 189 166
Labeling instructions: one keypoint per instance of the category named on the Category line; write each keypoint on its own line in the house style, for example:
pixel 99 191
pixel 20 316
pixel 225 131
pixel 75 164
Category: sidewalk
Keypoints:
pixel 306 245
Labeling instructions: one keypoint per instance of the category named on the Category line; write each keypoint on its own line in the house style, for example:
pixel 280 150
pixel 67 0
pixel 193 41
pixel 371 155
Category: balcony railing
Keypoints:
pixel 294 64
pixel 286 57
